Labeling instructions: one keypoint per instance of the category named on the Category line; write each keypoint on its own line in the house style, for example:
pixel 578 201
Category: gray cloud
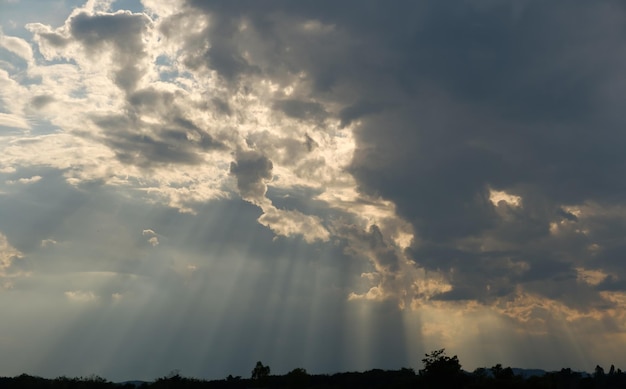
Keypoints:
pixel 252 171
pixel 301 109
pixel 165 146
pixel 357 110
pixel 455 103
pixel 54 39
pixel 175 139
pixel 39 102
pixel 221 106
pixel 122 30
pixel 485 181
pixel 290 151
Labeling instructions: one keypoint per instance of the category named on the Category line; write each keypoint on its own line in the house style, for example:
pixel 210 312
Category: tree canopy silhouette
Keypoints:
pixel 440 368
pixel 260 371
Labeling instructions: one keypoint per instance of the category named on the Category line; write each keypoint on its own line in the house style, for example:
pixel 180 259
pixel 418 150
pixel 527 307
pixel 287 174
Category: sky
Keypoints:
pixel 333 185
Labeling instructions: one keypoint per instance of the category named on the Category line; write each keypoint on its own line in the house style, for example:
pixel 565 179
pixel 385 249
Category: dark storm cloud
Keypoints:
pixel 221 106
pixel 372 245
pixel 357 110
pixel 298 198
pixel 222 55
pixel 122 30
pixel 310 142
pixel 149 99
pixel 291 151
pixel 455 101
pixel 385 254
pixel 301 109
pixel 611 283
pixel 54 39
pixel 226 61
pixel 143 150
pixel 567 215
pixel 41 101
pixel 252 170
pixel 457 294
pixel 159 144
pixel 175 139
pixel 279 43
pixel 437 178
pixel 549 142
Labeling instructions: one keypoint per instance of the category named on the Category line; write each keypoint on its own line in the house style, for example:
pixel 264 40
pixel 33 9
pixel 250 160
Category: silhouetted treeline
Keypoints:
pixel 439 371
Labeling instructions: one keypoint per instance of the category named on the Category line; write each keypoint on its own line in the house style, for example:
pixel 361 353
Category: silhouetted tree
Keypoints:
pixel 480 376
pixel 480 372
pixel 599 371
pixel 260 372
pixel 496 370
pixel 438 363
pixel 442 369
pixel 500 373
pixel 298 378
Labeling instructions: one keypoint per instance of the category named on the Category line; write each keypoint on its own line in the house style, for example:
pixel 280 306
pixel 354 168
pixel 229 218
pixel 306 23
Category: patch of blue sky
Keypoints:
pixel 166 68
pixel 178 79
pixel 7 66
pixel 14 15
pixel 26 79
pixel 79 93
pixel 163 60
pixel 134 6
pixel 39 126
pixel 9 131
pixel 51 61
pixel 11 62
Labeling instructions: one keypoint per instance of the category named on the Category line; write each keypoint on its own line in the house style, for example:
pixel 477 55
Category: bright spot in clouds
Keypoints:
pixel 496 196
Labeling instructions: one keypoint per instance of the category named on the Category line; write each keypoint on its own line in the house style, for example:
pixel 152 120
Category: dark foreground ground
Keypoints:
pixel 404 378
pixel 440 371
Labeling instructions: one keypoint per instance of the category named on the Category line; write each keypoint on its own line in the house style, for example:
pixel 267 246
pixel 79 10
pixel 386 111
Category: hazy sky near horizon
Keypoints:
pixel 334 185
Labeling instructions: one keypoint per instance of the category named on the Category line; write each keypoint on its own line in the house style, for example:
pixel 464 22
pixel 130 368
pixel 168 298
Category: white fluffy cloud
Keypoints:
pixel 145 114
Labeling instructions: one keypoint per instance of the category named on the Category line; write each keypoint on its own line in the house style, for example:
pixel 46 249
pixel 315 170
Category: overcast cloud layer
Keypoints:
pixel 334 185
